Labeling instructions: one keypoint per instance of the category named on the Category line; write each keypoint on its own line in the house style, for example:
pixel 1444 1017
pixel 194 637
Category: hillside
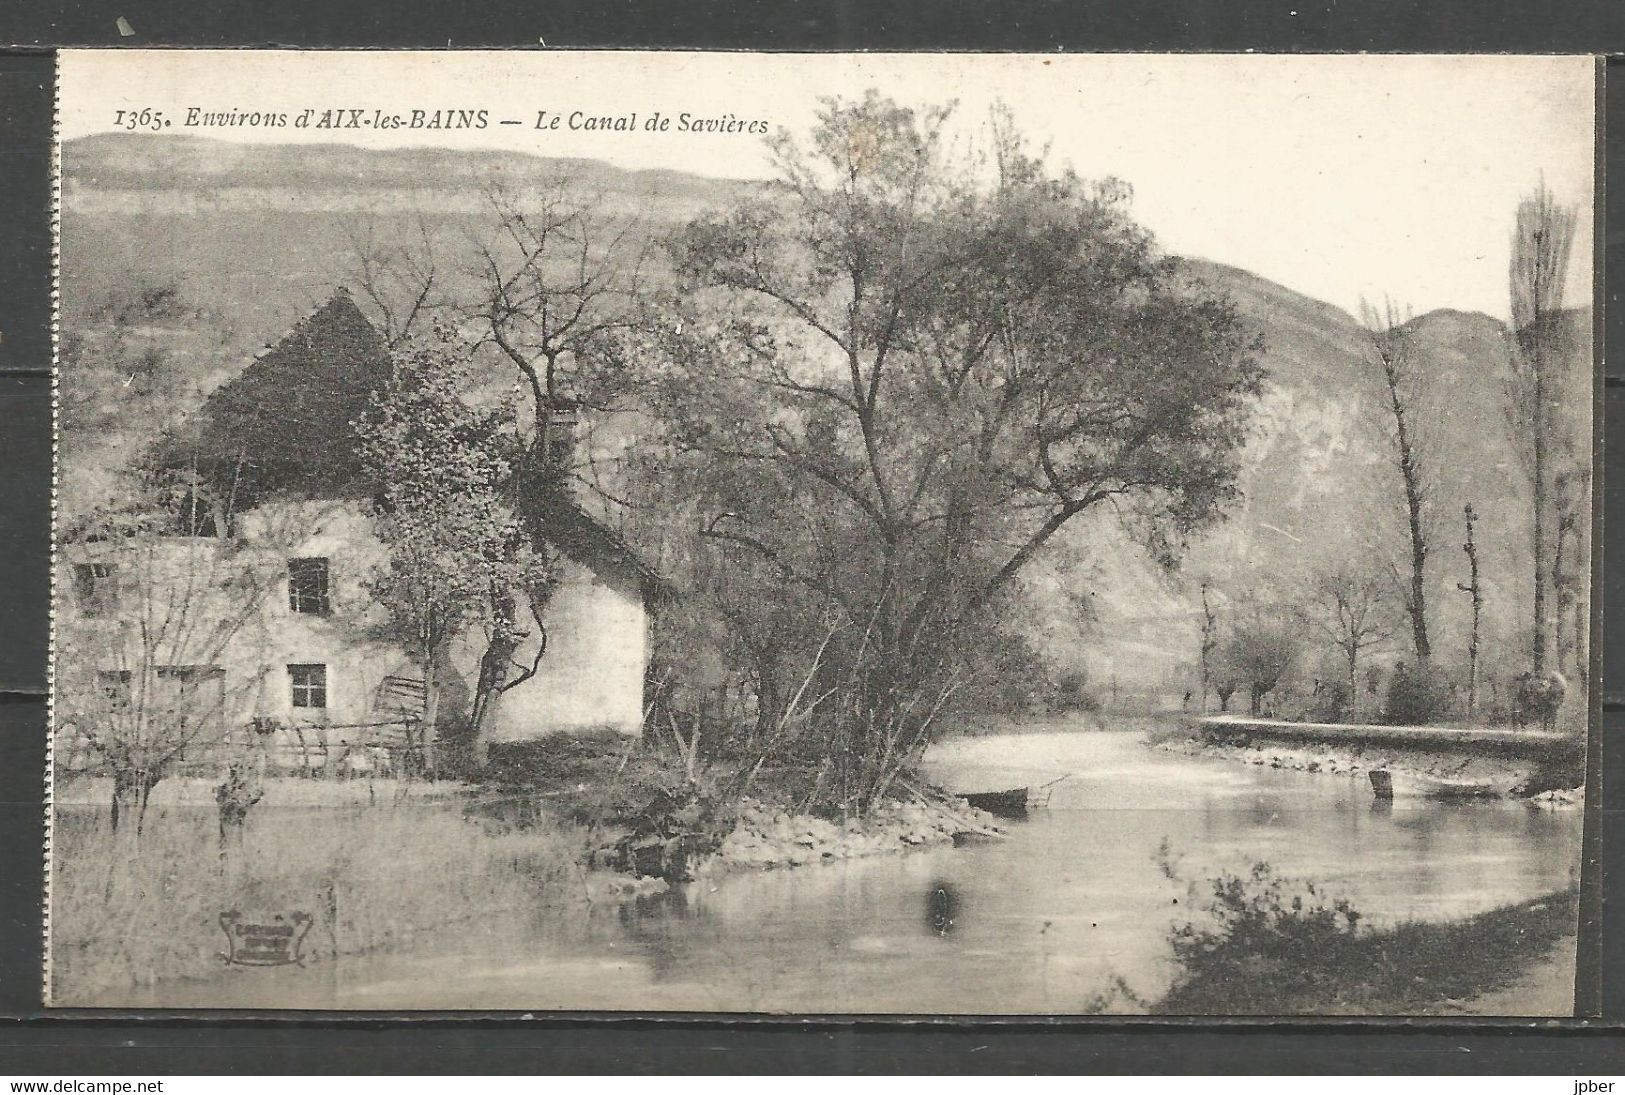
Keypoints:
pixel 259 234
pixel 1317 483
pixel 1319 486
pixel 106 164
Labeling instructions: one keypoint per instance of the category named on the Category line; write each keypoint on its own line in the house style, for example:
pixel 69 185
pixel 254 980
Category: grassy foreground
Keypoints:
pixel 129 911
pixel 374 866
pixel 1270 949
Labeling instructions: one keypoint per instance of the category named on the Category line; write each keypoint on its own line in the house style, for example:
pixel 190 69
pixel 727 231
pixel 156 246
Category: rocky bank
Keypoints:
pixel 768 837
pixel 1501 776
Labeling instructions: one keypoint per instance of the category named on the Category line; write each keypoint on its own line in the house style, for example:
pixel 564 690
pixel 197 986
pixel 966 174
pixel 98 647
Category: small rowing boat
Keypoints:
pixel 1011 803
pixel 1015 802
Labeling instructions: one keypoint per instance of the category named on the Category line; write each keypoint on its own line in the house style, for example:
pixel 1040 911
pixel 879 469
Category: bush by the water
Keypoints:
pixel 1418 693
pixel 1329 701
pixel 1274 946
pixel 1072 693
pixel 651 815
pixel 583 775
pixel 1259 923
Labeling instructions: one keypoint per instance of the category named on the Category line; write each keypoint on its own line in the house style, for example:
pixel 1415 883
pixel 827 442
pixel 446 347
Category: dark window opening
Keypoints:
pixel 307 587
pixel 189 691
pixel 309 685
pixel 190 674
pixel 115 686
pixel 95 585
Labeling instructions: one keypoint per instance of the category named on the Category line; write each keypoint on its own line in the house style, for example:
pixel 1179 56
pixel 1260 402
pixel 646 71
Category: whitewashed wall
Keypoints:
pixel 591 676
pixel 356 661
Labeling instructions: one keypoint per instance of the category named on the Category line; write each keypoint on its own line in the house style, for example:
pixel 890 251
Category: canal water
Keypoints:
pixel 1078 901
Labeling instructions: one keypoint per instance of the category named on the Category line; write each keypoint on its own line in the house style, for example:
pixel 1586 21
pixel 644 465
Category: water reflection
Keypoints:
pixel 677 903
pixel 942 907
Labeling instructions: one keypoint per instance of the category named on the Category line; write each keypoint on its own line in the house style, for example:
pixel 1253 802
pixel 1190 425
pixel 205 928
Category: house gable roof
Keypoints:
pixel 283 426
pixel 283 429
pixel 593 544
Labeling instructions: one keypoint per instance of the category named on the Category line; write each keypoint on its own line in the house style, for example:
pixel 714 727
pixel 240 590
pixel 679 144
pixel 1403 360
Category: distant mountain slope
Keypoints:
pixel 257 235
pixel 145 162
pixel 260 234
pixel 1320 486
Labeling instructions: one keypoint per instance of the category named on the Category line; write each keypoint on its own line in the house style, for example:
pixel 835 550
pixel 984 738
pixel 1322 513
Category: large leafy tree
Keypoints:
pixel 898 377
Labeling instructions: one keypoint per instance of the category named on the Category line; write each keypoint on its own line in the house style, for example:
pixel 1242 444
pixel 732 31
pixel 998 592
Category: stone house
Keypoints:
pixel 309 659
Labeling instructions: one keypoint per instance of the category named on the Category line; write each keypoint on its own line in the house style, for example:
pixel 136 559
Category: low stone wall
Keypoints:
pixel 1506 762
pixel 1535 745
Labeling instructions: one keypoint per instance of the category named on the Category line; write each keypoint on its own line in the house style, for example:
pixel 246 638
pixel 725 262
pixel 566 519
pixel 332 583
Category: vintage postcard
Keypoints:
pixel 822 534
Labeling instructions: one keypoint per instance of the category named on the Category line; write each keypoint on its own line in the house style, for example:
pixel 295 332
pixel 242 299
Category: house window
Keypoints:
pixel 189 676
pixel 309 685
pixel 191 691
pixel 115 687
pixel 95 585
pixel 307 586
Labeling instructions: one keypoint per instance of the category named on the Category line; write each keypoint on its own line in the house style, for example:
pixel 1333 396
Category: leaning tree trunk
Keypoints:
pixel 495 663
pixel 769 705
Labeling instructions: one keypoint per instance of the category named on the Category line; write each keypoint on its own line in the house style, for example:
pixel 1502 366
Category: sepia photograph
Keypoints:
pixel 822 534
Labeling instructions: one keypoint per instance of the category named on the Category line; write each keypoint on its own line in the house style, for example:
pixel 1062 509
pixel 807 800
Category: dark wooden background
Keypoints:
pixel 85 1044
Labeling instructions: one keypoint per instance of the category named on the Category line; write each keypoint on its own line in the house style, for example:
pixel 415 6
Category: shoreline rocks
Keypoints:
pixel 767 837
